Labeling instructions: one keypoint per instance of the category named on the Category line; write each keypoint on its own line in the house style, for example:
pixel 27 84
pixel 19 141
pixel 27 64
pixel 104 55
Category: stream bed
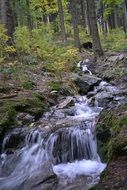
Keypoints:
pixel 60 150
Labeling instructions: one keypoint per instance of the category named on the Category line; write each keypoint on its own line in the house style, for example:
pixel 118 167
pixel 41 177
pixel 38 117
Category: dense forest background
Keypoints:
pixel 49 33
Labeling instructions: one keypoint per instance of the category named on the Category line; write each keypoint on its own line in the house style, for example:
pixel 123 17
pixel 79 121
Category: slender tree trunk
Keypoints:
pixel 125 3
pixel 103 22
pixel 62 25
pixel 125 17
pixel 29 18
pixel 88 19
pixel 83 10
pixel 93 28
pixel 116 19
pixel 7 16
pixel 73 6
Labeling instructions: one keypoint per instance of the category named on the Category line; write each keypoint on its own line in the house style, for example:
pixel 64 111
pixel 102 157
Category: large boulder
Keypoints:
pixel 86 83
pixel 14 139
pixel 44 180
pixel 107 96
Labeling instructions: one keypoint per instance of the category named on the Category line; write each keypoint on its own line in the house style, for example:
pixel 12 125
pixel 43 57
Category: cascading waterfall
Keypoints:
pixel 72 150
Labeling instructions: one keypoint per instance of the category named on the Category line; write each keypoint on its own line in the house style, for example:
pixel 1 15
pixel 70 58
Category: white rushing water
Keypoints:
pixel 72 150
pixel 77 168
pixel 91 165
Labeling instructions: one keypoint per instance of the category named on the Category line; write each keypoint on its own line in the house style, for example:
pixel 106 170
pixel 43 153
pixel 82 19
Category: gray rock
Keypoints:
pixel 103 98
pixel 25 118
pixel 121 56
pixel 69 101
pixel 15 139
pixel 79 183
pixel 113 58
pixel 44 180
pixel 86 83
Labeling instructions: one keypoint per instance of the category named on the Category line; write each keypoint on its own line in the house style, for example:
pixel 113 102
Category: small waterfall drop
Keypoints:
pixel 71 149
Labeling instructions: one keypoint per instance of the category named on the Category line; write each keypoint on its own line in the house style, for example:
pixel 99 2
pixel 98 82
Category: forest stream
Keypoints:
pixel 63 95
pixel 63 153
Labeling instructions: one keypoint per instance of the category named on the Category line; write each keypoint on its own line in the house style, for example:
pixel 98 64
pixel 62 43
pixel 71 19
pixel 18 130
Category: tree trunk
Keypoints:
pixel 103 22
pixel 73 6
pixel 93 28
pixel 83 10
pixel 61 16
pixel 126 4
pixel 29 18
pixel 7 16
pixel 125 17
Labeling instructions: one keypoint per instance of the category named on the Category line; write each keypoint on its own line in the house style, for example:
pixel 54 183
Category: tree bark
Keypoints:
pixel 62 25
pixel 125 3
pixel 73 6
pixel 93 28
pixel 7 16
pixel 29 18
pixel 125 16
pixel 83 10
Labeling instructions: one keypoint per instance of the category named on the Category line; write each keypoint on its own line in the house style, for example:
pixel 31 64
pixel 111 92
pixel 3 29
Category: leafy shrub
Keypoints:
pixel 39 46
pixel 115 40
pixel 62 60
pixel 54 85
pixel 84 37
pixel 28 85
pixel 41 43
pixel 22 39
pixel 5 49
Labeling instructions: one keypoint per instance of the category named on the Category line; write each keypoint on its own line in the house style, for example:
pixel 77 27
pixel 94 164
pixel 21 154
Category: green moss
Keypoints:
pixel 28 85
pixel 55 85
pixel 35 105
pixel 123 121
pixel 117 146
pixel 5 89
pixel 108 133
pixel 8 116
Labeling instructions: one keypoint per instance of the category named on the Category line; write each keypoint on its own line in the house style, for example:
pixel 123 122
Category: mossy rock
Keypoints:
pixel 35 105
pixel 118 146
pixel 63 88
pixel 28 85
pixel 55 85
pixel 109 127
pixel 8 115
pixel 5 89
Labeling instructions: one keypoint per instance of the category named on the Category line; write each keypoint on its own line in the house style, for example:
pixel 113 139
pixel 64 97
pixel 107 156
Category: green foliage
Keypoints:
pixel 5 49
pixel 3 40
pixel 28 85
pixel 110 6
pixel 112 2
pixel 54 85
pixel 65 60
pixel 115 40
pixel 44 6
pixel 22 39
pixel 84 36
pixel 41 42
pixel 39 45
pixel 8 118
